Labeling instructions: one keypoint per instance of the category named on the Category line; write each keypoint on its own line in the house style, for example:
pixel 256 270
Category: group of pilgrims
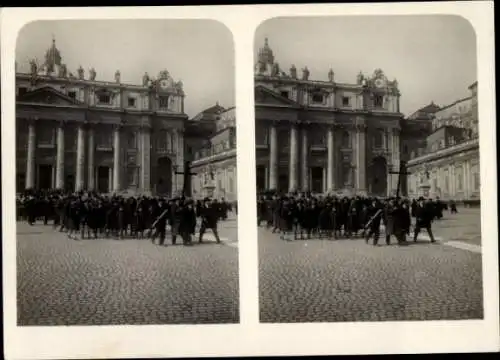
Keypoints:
pixel 299 216
pixel 92 215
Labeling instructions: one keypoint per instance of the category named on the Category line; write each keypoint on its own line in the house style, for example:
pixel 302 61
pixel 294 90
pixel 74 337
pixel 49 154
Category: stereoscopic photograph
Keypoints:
pixel 367 155
pixel 126 173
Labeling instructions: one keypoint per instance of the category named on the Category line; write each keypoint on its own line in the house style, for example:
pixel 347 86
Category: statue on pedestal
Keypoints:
pixel 275 70
pixel 360 78
pixel 92 74
pixel 305 73
pixel 64 70
pixel 145 79
pixel 117 76
pixel 293 72
pixel 33 68
pixel 81 73
pixel 331 75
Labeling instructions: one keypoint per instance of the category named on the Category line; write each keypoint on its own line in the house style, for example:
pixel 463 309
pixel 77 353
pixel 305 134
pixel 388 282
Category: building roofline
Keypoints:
pixel 454 103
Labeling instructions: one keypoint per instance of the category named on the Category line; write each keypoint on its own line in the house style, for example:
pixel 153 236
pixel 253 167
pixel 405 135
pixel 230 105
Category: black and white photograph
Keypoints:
pixel 125 158
pixel 367 169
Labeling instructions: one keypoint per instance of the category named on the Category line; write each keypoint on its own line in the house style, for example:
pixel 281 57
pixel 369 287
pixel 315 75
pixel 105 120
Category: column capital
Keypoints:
pixel 61 123
pixel 361 128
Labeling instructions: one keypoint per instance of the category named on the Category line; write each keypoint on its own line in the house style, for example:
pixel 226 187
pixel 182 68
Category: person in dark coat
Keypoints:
pixel 161 224
pixel 374 214
pixel 424 216
pixel 187 224
pixel 209 220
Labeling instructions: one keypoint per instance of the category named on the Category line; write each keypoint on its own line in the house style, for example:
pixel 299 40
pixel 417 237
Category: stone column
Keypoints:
pixel 273 157
pixel 30 158
pixel 325 181
pixel 294 158
pixel 361 159
pixel 90 156
pixel 395 157
pixel 145 182
pixel 116 159
pixel 110 179
pixel 178 145
pixel 60 157
pixel 330 172
pixel 305 161
pixel 80 159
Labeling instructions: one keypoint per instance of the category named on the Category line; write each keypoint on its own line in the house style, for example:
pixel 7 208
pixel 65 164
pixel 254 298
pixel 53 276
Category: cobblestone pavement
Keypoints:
pixel 113 282
pixel 348 280
pixel 464 226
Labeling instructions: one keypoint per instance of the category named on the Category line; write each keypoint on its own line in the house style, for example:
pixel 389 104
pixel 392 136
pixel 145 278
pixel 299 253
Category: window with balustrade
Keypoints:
pixel 346 140
pixel 378 139
pixel 46 136
pixel 261 135
pixel 317 137
pixel 103 139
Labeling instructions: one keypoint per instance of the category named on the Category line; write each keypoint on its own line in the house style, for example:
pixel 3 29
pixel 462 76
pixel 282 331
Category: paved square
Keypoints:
pixel 348 280
pixel 113 282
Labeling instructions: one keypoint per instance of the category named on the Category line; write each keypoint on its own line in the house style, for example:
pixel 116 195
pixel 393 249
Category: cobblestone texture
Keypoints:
pixel 464 226
pixel 113 282
pixel 348 280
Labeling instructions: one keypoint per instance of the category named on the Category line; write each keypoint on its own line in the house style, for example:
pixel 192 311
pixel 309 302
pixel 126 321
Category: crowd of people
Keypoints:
pixel 304 216
pixel 93 215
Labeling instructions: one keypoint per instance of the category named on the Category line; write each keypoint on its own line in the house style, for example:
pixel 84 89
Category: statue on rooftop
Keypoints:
pixel 92 74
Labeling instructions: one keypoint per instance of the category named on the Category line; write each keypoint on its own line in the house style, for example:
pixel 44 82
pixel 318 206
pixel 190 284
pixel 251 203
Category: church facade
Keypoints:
pixel 214 163
pixel 76 132
pixel 448 165
pixel 324 136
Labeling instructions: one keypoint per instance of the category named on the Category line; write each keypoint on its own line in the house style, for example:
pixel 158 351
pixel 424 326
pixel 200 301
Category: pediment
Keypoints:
pixel 47 95
pixel 264 96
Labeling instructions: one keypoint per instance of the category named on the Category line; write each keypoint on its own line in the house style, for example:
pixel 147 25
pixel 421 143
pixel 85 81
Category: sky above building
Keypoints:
pixel 432 57
pixel 198 52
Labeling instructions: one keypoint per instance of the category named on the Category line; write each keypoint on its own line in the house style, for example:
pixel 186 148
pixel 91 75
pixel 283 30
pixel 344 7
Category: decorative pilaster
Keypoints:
pixel 330 172
pixel 273 157
pixel 60 157
pixel 116 159
pixel 80 158
pixel 294 158
pixel 395 157
pixel 30 163
pixel 305 160
pixel 178 179
pixel 390 150
pixel 90 156
pixel 361 159
pixel 145 182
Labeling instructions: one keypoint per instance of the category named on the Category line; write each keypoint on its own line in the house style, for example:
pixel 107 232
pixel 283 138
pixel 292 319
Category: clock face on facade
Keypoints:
pixel 163 84
pixel 379 83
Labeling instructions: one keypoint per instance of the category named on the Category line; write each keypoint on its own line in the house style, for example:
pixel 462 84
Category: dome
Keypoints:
pixel 52 57
pixel 266 53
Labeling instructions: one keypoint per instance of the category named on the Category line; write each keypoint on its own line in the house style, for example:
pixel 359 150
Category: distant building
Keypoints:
pixel 321 135
pixel 447 166
pixel 214 160
pixel 76 132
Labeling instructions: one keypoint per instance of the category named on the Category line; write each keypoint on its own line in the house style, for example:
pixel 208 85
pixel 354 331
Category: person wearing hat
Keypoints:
pixel 209 220
pixel 424 215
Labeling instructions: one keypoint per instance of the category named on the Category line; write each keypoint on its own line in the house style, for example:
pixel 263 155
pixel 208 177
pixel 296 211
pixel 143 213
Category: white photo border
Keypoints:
pixel 249 337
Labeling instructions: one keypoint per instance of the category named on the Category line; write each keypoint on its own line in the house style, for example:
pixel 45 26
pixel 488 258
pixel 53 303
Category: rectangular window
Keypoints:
pixel 72 94
pixel 46 136
pixel 285 94
pixel 317 98
pixel 163 102
pixel 131 102
pixel 378 101
pixel 104 99
pixel 345 101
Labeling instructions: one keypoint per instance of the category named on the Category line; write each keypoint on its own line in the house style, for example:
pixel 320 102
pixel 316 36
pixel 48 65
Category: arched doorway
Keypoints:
pixel 164 176
pixel 378 176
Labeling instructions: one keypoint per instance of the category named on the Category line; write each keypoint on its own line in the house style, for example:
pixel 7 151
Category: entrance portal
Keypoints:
pixel 317 179
pixel 378 176
pixel 103 179
pixel 69 183
pixel 44 177
pixel 283 179
pixel 164 176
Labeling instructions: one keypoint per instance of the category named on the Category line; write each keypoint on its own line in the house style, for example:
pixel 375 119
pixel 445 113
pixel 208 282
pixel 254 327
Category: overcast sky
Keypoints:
pixel 198 52
pixel 432 57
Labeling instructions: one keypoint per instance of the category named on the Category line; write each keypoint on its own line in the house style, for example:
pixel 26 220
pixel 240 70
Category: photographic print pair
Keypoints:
pixel 366 170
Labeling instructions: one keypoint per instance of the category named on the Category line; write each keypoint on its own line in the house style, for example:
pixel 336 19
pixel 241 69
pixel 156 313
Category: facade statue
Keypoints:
pixel 64 70
pixel 275 71
pixel 331 75
pixel 293 72
pixel 117 76
pixel 360 78
pixel 261 68
pixel 81 73
pixel 178 86
pixel 33 67
pixel 145 79
pixel 305 73
pixel 164 74
pixel 92 74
